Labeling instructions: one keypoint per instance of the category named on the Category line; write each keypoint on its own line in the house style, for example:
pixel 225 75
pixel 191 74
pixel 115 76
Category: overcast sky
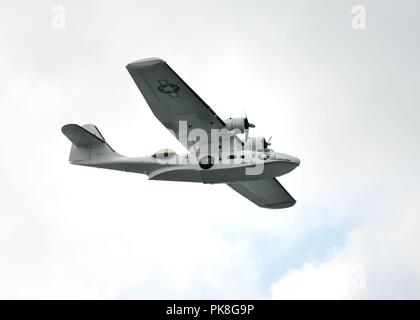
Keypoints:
pixel 344 101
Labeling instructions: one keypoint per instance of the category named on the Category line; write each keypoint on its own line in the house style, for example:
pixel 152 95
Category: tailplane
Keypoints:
pixel 88 144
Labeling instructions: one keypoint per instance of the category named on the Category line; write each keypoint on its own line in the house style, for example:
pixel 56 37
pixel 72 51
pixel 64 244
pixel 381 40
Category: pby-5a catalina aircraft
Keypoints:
pixel 217 154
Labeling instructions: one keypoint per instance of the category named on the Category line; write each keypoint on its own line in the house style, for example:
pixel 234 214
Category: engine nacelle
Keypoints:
pixel 238 124
pixel 256 144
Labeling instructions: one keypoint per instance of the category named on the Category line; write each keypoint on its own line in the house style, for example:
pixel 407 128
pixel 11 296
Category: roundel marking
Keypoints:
pixel 168 88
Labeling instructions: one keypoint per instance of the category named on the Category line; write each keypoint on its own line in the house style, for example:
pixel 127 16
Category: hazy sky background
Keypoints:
pixel 344 101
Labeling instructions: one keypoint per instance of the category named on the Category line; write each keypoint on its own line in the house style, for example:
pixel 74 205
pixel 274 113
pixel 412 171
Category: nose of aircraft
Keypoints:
pixel 286 157
pixel 293 160
pixel 296 160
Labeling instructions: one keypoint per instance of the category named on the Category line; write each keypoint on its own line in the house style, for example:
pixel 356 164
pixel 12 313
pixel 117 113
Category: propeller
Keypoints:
pixel 267 142
pixel 247 125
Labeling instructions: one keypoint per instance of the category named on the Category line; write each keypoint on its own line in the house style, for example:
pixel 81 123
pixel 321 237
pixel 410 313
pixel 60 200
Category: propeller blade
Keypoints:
pixel 247 124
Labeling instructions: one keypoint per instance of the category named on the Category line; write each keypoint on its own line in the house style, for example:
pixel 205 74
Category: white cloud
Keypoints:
pixel 330 280
pixel 379 259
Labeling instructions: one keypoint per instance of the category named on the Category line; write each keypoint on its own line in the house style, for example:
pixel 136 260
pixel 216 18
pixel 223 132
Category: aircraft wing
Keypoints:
pixel 267 193
pixel 172 100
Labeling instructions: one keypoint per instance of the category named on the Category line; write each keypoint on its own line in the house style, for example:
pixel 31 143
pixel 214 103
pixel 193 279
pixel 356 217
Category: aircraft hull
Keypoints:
pixel 223 173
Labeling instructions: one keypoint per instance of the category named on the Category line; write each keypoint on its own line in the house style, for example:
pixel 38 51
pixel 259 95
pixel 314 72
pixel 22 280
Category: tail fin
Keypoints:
pixel 87 143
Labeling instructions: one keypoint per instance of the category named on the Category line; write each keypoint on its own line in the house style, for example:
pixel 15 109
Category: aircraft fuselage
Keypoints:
pixel 226 167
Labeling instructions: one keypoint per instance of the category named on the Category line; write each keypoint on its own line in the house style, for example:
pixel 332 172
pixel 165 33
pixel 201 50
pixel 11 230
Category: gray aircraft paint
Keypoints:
pixel 252 174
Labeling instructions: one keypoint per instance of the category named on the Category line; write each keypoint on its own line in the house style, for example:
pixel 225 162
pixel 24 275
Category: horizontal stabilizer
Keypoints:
pixel 88 144
pixel 81 137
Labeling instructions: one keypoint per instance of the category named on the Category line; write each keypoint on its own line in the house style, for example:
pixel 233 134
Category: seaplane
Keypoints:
pixel 219 151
